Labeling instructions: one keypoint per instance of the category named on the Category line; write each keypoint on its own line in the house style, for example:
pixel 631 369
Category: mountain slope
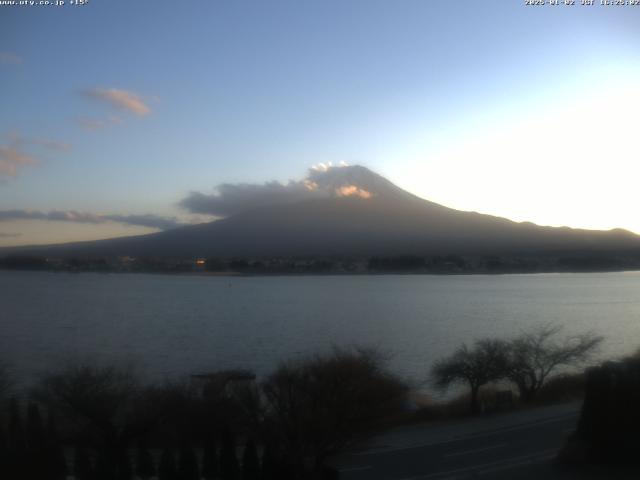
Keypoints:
pixel 361 214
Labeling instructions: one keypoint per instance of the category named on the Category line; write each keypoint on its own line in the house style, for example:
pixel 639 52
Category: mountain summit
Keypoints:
pixel 355 181
pixel 345 211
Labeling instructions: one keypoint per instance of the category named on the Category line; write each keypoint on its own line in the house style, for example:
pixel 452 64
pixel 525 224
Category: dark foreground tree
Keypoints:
pixel 269 464
pixel 56 460
pixel 322 405
pixel 82 467
pixel 4 451
pixel 106 402
pixel 483 363
pixel 167 466
pixel 229 468
pixel 5 382
pixel 535 355
pixel 209 459
pixel 106 466
pixel 17 444
pixel 145 467
pixel 125 469
pixel 36 466
pixel 250 462
pixel 188 463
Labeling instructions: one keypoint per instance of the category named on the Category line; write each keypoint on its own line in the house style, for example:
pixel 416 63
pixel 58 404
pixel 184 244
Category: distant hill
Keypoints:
pixel 362 214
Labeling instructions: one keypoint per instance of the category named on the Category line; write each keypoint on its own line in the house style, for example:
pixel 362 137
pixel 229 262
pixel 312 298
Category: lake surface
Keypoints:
pixel 172 325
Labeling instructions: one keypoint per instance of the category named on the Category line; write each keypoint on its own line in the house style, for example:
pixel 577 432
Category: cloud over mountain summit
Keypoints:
pixel 320 182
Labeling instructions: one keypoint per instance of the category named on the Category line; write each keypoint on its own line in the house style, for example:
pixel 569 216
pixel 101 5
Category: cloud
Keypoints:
pixel 322 181
pixel 9 58
pixel 9 235
pixel 324 167
pixel 12 158
pixel 148 220
pixel 121 99
pixel 53 145
pixel 92 123
pixel 353 191
pixel 230 199
pixel 54 215
pixel 88 123
pixel 13 154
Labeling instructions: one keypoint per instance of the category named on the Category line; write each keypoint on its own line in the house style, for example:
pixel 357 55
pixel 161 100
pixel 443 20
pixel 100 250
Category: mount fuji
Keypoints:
pixel 351 211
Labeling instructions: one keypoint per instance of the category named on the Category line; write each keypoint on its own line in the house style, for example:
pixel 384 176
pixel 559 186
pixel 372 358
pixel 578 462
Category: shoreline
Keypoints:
pixel 238 274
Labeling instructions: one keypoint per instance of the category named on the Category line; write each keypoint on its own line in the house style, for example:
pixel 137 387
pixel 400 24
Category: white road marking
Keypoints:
pixel 477 450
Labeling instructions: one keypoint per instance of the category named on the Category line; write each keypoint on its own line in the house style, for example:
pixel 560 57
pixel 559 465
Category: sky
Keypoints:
pixel 113 112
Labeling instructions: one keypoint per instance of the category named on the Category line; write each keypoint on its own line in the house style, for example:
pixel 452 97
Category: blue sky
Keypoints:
pixel 490 106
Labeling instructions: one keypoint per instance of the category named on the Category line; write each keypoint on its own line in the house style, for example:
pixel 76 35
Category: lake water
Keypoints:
pixel 172 325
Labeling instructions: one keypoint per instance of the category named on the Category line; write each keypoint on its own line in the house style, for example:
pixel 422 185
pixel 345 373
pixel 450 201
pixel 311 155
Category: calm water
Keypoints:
pixel 171 325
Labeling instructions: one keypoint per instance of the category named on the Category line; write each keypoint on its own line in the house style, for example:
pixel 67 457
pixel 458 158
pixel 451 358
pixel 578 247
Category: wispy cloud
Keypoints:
pixel 88 123
pixel 121 99
pixel 9 235
pixel 10 58
pixel 12 158
pixel 49 144
pixel 147 220
pixel 14 154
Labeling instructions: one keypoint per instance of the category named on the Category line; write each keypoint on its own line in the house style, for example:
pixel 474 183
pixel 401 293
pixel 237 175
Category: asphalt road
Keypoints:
pixel 520 448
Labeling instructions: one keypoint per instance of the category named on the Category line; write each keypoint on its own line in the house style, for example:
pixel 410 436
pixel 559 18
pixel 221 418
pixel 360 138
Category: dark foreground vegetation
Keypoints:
pixel 103 423
pixel 526 361
pixel 607 432
pixel 219 426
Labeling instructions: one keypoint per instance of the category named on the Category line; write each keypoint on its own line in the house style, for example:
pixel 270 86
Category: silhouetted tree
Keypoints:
pixel 210 460
pixel 56 461
pixel 477 366
pixel 285 470
pixel 4 453
pixel 228 459
pixel 106 466
pixel 125 469
pixel 82 467
pixel 324 404
pixel 607 429
pixel 106 401
pixel 36 436
pixel 5 381
pixel 188 463
pixel 167 466
pixel 250 462
pixel 36 466
pixel 269 464
pixel 145 467
pixel 16 441
pixel 533 356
